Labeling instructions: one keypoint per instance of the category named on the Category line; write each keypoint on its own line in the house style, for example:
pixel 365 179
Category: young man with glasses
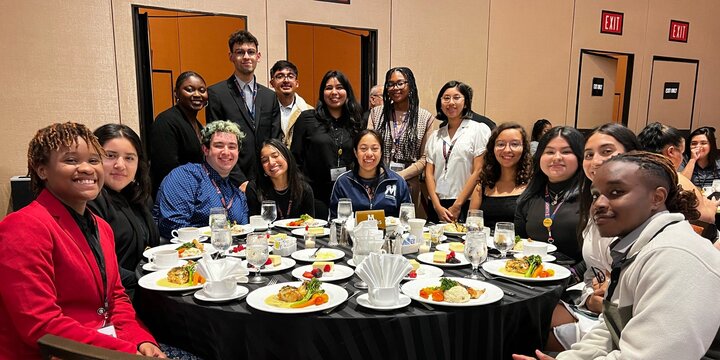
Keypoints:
pixel 284 79
pixel 253 107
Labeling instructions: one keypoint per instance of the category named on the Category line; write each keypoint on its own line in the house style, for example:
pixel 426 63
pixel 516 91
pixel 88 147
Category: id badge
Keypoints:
pixel 108 330
pixel 442 187
pixel 396 167
pixel 335 172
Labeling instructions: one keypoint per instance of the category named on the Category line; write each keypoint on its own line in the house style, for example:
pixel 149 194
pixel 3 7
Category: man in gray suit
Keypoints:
pixel 242 100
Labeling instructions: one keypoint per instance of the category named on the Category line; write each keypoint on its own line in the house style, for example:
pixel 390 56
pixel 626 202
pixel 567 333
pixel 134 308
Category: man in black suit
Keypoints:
pixel 242 100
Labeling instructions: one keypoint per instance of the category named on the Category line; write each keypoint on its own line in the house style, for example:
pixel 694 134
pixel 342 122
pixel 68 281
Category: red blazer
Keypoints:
pixel 50 283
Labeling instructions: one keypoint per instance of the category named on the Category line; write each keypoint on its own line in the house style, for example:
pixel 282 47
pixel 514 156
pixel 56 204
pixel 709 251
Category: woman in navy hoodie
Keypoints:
pixel 370 185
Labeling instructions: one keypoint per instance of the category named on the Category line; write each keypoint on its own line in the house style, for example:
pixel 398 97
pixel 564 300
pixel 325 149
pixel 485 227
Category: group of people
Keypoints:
pixel 599 199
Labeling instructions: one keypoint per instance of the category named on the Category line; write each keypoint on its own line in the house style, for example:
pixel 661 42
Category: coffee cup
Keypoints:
pixel 257 222
pixel 186 234
pixel 164 259
pixel 384 296
pixel 221 288
pixel 534 248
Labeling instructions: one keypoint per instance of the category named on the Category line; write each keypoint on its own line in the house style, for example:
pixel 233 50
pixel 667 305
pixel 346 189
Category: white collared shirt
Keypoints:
pixel 285 112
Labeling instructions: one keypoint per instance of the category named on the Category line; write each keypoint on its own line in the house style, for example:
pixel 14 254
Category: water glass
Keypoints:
pixel 476 251
pixel 475 220
pixel 221 239
pixel 218 218
pixel 344 209
pixel 504 239
pixel 407 212
pixel 269 212
pixel 436 232
pixel 257 254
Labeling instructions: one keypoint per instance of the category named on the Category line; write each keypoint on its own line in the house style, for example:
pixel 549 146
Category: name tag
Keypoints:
pixel 335 172
pixel 396 167
pixel 108 330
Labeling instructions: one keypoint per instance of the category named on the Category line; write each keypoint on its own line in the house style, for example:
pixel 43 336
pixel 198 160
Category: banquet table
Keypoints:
pixel 234 330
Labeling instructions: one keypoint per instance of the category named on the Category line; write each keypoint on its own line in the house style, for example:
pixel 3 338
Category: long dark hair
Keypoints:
pixel 709 132
pixel 539 179
pixel 491 169
pixel 351 108
pixel 629 141
pixel 139 189
pixel 389 109
pixel 538 128
pixel 356 142
pixel 656 136
pixel 294 176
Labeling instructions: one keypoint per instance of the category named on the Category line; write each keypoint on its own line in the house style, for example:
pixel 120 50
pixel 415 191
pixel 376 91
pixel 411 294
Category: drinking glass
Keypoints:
pixel 257 254
pixel 221 239
pixel 504 239
pixel 269 212
pixel 344 209
pixel 476 251
pixel 475 220
pixel 218 218
pixel 407 211
pixel 436 232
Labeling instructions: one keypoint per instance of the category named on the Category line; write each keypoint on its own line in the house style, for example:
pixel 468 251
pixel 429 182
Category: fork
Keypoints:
pixel 492 277
pixel 272 281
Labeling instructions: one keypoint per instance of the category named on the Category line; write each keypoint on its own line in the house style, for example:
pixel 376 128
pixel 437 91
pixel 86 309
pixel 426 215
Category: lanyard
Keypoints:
pixel 222 197
pixel 548 220
pixel 337 136
pixel 242 95
pixel 448 152
pixel 287 213
pixel 396 134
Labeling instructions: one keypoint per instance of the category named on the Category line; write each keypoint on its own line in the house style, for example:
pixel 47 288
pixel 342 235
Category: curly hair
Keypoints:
pixel 140 187
pixel 226 126
pixel 659 170
pixel 491 169
pixel 384 127
pixel 56 137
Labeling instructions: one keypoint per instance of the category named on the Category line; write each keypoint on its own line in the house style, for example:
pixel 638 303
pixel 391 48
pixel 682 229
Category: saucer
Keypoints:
pixel 546 258
pixel 364 301
pixel 240 291
pixel 152 267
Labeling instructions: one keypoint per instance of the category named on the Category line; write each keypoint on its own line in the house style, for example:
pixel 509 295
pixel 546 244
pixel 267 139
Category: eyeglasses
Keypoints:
pixel 513 145
pixel 599 274
pixel 242 53
pixel 456 98
pixel 397 85
pixel 283 77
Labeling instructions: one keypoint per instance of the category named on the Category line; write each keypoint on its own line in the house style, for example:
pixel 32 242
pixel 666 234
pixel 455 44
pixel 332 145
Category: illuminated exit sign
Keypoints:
pixel 679 30
pixel 611 22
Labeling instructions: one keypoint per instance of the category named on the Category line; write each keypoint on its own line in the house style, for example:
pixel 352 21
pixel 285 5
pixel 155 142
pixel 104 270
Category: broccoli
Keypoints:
pixel 446 284
pixel 534 261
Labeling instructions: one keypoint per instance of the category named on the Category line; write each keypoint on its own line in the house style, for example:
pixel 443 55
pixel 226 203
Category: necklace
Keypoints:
pixel 555 196
pixel 282 192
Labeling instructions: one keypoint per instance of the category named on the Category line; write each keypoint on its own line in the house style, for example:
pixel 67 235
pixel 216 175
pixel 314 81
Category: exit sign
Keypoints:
pixel 679 30
pixel 611 22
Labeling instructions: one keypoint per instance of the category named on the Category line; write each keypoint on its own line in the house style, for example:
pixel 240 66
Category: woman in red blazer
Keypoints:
pixel 59 270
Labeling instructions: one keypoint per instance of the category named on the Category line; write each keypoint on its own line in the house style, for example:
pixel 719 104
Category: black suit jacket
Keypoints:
pixel 225 103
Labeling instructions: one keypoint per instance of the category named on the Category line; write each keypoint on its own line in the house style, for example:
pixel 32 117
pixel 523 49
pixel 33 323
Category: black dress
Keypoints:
pixel 173 142
pixel 287 208
pixel 133 227
pixel 498 209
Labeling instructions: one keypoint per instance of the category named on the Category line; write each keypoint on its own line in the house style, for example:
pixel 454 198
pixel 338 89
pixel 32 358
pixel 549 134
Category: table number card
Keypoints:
pixel 378 215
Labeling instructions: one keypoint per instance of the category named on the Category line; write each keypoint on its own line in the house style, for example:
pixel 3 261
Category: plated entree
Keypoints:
pixel 190 249
pixel 528 266
pixel 182 276
pixel 450 291
pixel 290 297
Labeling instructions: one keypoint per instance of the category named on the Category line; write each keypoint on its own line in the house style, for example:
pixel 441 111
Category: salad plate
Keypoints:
pixel 339 272
pixel 284 265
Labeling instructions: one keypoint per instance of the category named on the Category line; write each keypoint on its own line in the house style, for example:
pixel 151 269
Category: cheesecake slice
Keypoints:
pixel 440 257
pixel 457 247
pixel 323 265
pixel 415 264
pixel 316 230
pixel 276 260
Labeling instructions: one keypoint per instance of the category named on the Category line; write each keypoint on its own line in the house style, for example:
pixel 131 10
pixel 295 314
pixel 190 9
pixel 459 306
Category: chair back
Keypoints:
pixel 56 347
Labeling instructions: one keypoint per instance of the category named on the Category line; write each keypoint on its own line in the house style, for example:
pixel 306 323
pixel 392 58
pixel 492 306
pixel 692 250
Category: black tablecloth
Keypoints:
pixel 233 330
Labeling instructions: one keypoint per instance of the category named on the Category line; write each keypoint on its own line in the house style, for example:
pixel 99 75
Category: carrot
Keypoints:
pixel 307 303
pixel 550 272
pixel 537 271
pixel 323 298
pixel 180 251
pixel 424 293
pixel 438 295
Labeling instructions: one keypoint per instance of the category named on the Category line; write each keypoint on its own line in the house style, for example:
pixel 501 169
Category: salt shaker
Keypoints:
pixel 334 226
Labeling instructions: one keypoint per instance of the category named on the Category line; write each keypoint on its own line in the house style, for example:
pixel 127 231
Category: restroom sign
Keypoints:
pixel 679 30
pixel 611 22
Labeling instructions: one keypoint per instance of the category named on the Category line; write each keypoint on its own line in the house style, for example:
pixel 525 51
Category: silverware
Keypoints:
pixel 272 281
pixel 492 277
pixel 187 293
pixel 427 306
pixel 348 299
pixel 315 253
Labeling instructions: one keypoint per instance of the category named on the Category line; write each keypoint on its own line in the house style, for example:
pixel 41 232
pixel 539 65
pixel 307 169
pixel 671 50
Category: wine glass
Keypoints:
pixel 504 239
pixel 476 251
pixel 218 217
pixel 475 220
pixel 269 212
pixel 344 209
pixel 221 239
pixel 257 254
pixel 407 212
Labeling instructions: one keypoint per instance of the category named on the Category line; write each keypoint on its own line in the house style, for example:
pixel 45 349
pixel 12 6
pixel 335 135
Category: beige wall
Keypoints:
pixel 75 60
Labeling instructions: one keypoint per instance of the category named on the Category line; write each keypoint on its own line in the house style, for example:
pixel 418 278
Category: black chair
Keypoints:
pixel 56 347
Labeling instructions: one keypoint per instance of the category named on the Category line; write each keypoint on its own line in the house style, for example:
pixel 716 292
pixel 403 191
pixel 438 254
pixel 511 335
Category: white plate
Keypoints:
pixel 284 223
pixel 208 249
pixel 443 247
pixel 491 244
pixel 236 230
pixel 202 238
pixel 351 262
pixel 339 272
pixel 453 233
pixel 240 291
pixel 336 296
pixel 284 265
pixel 301 232
pixel 426 271
pixel 241 253
pixel 150 280
pixel 491 295
pixel 304 255
pixel 151 266
pixel 546 258
pixel 494 267
pixel 364 301
pixel 428 259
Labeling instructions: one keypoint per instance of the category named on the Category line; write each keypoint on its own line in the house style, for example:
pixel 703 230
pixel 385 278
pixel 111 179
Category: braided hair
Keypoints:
pixel 411 141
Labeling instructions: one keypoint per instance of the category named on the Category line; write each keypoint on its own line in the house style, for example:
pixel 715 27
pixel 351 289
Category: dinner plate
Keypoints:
pixel 202 238
pixel 284 223
pixel 428 259
pixel 452 233
pixel 494 267
pixel 443 247
pixel 550 247
pixel 301 232
pixel 304 255
pixel 546 258
pixel 209 249
pixel 150 280
pixel 426 271
pixel 339 272
pixel 241 253
pixel 336 296
pixel 240 291
pixel 285 264
pixel 364 301
pixel 491 295
pixel 235 230
pixel 151 266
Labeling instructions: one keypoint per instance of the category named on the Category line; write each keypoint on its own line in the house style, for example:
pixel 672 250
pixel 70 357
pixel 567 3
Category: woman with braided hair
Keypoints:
pixel 68 283
pixel 664 279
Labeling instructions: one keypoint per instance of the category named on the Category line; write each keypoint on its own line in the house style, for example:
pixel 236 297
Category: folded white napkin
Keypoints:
pixel 383 270
pixel 216 270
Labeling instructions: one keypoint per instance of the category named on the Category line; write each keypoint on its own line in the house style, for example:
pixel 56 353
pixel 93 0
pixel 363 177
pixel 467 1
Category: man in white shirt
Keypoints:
pixel 284 79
